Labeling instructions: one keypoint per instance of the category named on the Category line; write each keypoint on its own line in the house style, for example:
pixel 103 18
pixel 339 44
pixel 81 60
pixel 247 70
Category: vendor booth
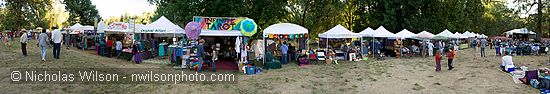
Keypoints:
pixel 520 34
pixel 82 36
pixel 226 36
pixel 341 48
pixel 285 32
pixel 156 39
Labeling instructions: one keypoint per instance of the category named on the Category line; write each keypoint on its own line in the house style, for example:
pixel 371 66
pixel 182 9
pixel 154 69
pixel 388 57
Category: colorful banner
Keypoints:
pixel 219 23
pixel 118 26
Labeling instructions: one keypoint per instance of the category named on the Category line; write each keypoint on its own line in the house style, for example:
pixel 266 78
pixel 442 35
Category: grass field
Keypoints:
pixel 473 74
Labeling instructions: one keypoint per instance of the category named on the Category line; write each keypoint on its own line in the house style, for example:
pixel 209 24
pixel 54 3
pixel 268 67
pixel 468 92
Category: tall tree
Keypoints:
pixel 81 11
pixel 25 14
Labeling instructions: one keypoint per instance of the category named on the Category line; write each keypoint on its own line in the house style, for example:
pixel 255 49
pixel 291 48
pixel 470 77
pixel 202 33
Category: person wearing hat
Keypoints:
pixel 23 40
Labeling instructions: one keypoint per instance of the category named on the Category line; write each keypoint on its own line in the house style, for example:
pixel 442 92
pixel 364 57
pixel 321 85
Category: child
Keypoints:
pixel 450 56
pixel 437 61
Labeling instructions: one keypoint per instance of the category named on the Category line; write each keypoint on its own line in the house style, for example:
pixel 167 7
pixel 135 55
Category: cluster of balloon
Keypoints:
pixel 193 30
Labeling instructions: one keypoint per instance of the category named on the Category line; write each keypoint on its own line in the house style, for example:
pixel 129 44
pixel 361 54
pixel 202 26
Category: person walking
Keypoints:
pixel 43 43
pixel 23 40
pixel 56 38
pixel 430 48
pixel 67 40
pixel 482 45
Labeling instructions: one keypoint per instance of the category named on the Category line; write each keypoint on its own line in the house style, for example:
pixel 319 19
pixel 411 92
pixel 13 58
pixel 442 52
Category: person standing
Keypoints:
pixel 5 40
pixel 56 38
pixel 67 40
pixel 437 61
pixel 135 51
pixel 200 53
pixel 23 40
pixel 43 43
pixel 482 45
pixel 450 57
pixel 284 51
pixel 118 48
pixel 430 48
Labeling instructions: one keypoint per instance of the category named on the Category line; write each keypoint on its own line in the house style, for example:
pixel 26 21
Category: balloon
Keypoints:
pixel 193 30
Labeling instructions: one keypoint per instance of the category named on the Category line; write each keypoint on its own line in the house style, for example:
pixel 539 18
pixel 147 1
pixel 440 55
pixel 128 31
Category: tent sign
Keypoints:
pixel 219 23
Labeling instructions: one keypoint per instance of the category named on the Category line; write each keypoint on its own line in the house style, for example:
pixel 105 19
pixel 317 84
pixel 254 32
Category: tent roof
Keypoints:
pixel 101 26
pixel 367 32
pixel 424 35
pixel 75 26
pixel 163 24
pixel 339 31
pixel 405 34
pixel 447 33
pixel 285 28
pixel 382 32
pixel 520 31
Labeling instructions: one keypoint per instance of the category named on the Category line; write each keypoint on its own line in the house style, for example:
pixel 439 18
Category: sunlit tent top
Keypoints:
pixel 101 26
pixel 161 25
pixel 367 32
pixel 405 34
pixel 446 33
pixel 424 35
pixel 339 31
pixel 285 28
pixel 382 32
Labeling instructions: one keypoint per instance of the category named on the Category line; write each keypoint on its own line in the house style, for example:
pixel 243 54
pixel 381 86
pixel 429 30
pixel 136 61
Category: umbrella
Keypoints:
pixel 248 27
pixel 193 30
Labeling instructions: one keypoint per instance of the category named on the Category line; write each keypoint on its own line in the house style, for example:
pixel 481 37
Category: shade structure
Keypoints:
pixel 285 28
pixel 520 31
pixel 161 25
pixel 440 38
pixel 339 31
pixel 101 26
pixel 383 33
pixel 447 33
pixel 367 32
pixel 405 34
pixel 424 35
pixel 75 26
pixel 464 35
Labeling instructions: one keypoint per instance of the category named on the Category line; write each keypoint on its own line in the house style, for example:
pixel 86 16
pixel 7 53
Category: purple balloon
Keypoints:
pixel 193 30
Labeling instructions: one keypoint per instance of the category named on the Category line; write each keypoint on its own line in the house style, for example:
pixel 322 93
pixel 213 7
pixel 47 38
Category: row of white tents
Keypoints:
pixel 340 31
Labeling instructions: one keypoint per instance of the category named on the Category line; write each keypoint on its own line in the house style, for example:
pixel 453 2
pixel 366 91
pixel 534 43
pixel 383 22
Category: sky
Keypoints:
pixel 109 8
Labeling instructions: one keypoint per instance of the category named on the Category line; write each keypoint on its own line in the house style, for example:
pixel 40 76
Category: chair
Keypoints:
pixel 321 55
pixel 271 62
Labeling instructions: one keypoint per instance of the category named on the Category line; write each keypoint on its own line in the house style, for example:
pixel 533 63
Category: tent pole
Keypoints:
pixel 264 50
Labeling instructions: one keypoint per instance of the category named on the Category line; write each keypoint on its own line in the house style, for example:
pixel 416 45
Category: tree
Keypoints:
pixel 81 11
pixel 25 14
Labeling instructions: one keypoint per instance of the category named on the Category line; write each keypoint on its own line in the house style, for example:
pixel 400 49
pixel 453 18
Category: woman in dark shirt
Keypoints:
pixel 135 51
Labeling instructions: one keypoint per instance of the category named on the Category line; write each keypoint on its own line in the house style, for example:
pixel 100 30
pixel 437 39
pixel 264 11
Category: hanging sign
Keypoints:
pixel 219 23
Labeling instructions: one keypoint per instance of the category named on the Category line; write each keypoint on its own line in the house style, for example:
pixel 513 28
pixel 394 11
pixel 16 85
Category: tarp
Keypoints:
pixel 460 35
pixel 465 35
pixel 367 32
pixel 520 31
pixel 339 31
pixel 285 28
pixel 405 34
pixel 424 35
pixel 161 25
pixel 382 32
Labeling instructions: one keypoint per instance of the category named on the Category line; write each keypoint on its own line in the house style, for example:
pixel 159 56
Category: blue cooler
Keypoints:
pixel 511 69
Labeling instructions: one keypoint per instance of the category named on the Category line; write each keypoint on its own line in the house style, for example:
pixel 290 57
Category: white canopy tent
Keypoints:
pixel 161 26
pixel 424 35
pixel 520 31
pixel 382 32
pixel 282 28
pixel 101 26
pixel 405 34
pixel 447 33
pixel 75 26
pixel 367 32
pixel 339 31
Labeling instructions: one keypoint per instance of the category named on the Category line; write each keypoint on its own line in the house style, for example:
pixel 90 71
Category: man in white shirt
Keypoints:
pixel 56 38
pixel 430 48
pixel 507 62
pixel 23 40
pixel 118 47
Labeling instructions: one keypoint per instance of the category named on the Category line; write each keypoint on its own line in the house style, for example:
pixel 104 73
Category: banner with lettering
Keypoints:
pixel 219 23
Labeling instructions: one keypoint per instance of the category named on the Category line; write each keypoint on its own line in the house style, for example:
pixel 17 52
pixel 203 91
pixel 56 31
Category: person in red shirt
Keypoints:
pixel 450 56
pixel 438 61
